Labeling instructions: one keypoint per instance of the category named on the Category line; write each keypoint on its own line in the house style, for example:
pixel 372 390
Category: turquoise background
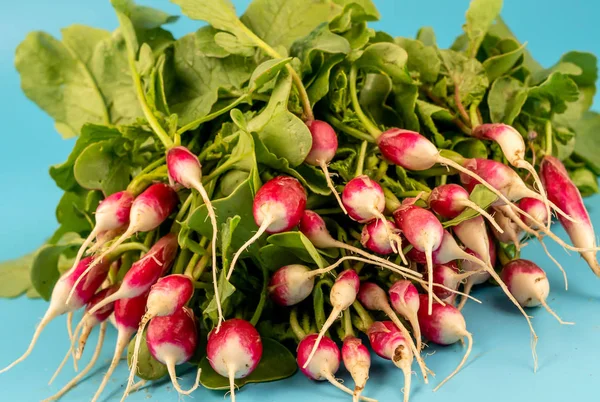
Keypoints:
pixel 500 368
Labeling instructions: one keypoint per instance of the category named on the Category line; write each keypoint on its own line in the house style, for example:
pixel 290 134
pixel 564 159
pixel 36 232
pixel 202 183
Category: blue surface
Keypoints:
pixel 500 368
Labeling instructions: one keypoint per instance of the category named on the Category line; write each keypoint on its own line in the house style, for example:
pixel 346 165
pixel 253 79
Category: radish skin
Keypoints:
pixel 474 235
pixel 448 276
pixel 357 360
pixel 404 298
pixel 291 284
pixel 512 233
pixel 376 237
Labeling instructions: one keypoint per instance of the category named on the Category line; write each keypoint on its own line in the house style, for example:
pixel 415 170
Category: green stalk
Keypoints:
pixel 548 130
pixel 351 131
pixel 263 297
pixel 196 123
pixel 361 159
pixel 123 248
pixel 295 325
pixel 348 329
pixel 371 128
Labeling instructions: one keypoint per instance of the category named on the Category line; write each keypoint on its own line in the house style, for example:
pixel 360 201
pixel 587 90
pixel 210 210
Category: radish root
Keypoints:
pixel 323 166
pixel 462 362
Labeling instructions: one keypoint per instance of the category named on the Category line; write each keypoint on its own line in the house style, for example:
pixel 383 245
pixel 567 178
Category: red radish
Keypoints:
pixel 445 326
pixel 448 276
pixel 513 147
pixel 167 296
pixel 324 147
pixel 172 341
pixel 343 294
pixel 357 360
pixel 373 297
pixel 325 362
pixel 529 284
pixel 405 301
pixel 314 228
pixel 474 235
pixel 389 343
pixel 375 237
pixel 145 272
pixel 450 200
pixel 234 351
pixel 111 214
pixel 59 301
pixel 128 313
pixel 424 231
pixel 278 206
pixel 291 284
pixel 536 209
pixel 104 237
pixel 148 211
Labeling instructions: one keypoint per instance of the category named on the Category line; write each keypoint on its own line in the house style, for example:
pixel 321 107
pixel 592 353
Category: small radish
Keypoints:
pixel 445 326
pixel 234 351
pixel 424 231
pixel 373 297
pixel 128 313
pixel 343 294
pixel 172 341
pixel 277 207
pixel 389 343
pixel 145 272
pixel 536 209
pixel 324 147
pixel 473 234
pixel 513 147
pixel 375 237
pixel 148 211
pixel 325 362
pixel 111 214
pixel 59 303
pixel 448 276
pixel 291 284
pixel 167 296
pixel 529 284
pixel 450 200
pixel 314 228
pixel 404 297
pixel 357 360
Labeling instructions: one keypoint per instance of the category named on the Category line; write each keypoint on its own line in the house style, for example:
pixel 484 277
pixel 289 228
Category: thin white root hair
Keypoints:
pixel 555 261
pixel 327 374
pixel 463 300
pixel 70 325
pixel 462 362
pixel 173 375
pixel 60 367
pixel 335 314
pixel 122 341
pixel 381 218
pixel 84 246
pixel 540 187
pixel 553 313
pixel 323 166
pixel 232 386
pixel 429 257
pixel 136 351
pixel 484 213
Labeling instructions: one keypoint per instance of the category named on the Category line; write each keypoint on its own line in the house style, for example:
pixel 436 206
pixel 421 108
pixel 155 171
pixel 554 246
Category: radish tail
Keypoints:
pixel 122 341
pixel 173 375
pixel 87 368
pixel 85 333
pixel 555 261
pixel 429 257
pixel 462 362
pixel 414 323
pixel 484 213
pixel 388 231
pixel 231 376
pixel 467 290
pixel 136 351
pixel 60 366
pixel 398 240
pixel 84 246
pixel 323 166
pixel 70 325
pixel 330 320
pixel 356 394
pixel 407 379
pixel 335 383
pixel 119 294
pixel 259 232
pixel 382 261
pixel 548 309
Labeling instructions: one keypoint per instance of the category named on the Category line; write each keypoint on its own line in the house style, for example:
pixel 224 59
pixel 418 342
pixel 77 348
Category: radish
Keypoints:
pixel 324 147
pixel 373 297
pixel 473 234
pixel 343 294
pixel 445 326
pixel 478 276
pixel 325 363
pixel 128 313
pixel 277 207
pixel 234 351
pixel 314 228
pixel 536 209
pixel 111 214
pixel 145 272
pixel 167 296
pixel 448 275
pixel 405 301
pixel 148 211
pixel 529 284
pixel 375 237
pixel 512 232
pixel 450 200
pixel 59 303
pixel 172 341
pixel 389 343
pixel 424 231
pixel 357 360
pixel 513 147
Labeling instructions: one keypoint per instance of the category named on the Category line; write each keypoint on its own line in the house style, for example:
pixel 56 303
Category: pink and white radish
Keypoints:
pixel 529 284
pixel 445 326
pixel 148 211
pixel 450 200
pixel 167 297
pixel 373 297
pixel 389 343
pixel 513 147
pixel 376 237
pixel 59 300
pixel 424 231
pixel 324 147
pixel 314 228
pixel 512 232
pixel 324 363
pixel 357 360
pixel 234 351
pixel 343 294
pixel 128 313
pixel 536 209
pixel 473 234
pixel 449 276
pixel 404 297
pixel 172 341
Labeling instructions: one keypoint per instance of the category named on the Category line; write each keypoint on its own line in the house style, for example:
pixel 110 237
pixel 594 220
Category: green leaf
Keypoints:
pixel 496 66
pixel 405 96
pixel 233 45
pixel 505 99
pixel 427 112
pixel 299 245
pixel 15 276
pixel 587 144
pixel 72 215
pixel 471 148
pixel 387 58
pixel 227 230
pixel 480 16
pixel 265 72
pixel 274 257
pixel 552 95
pixel 480 196
pixel 321 40
pixel 585 180
pixel 501 31
pixel 148 368
pixel 373 98
pixel 368 10
pixel 205 43
pixel 276 363
pixel 319 87
pixel 98 167
pixel 468 74
pixel 421 59
pixel 426 35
